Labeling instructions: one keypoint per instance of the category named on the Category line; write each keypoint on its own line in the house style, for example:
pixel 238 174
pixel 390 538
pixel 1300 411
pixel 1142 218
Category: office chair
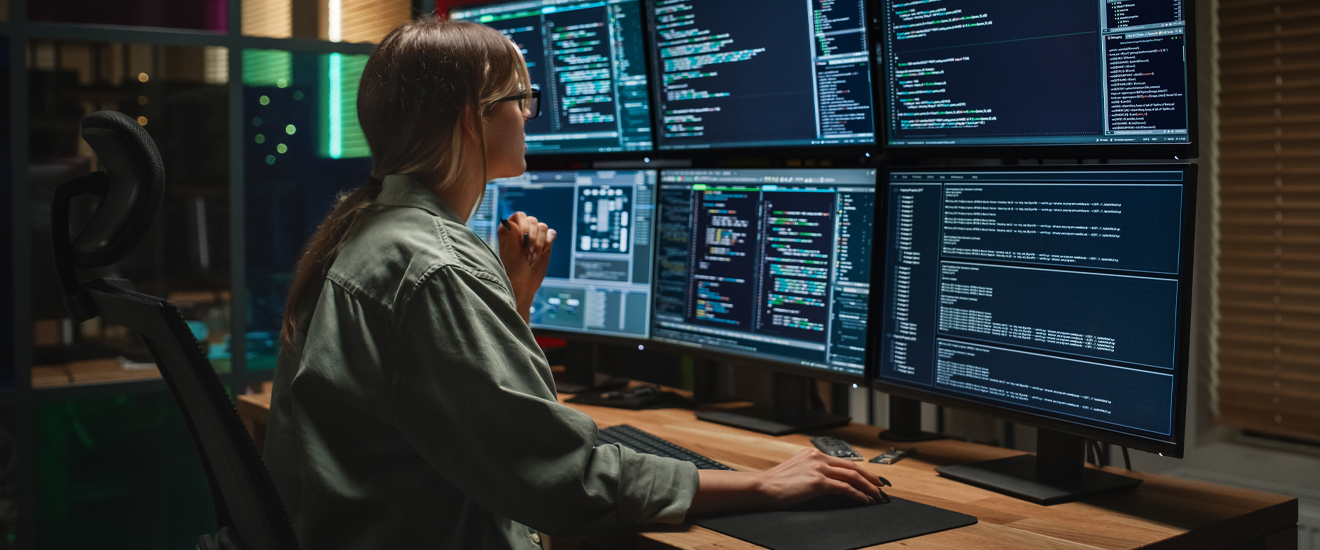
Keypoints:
pixel 131 187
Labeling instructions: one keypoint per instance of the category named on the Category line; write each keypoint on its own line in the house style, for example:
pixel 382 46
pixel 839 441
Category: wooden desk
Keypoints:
pixel 1165 512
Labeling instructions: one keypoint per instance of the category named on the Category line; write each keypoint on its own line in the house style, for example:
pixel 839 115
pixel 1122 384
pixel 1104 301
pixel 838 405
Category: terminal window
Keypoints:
pixel 1053 293
pixel 599 278
pixel 1035 72
pixel 587 58
pixel 767 263
pixel 727 77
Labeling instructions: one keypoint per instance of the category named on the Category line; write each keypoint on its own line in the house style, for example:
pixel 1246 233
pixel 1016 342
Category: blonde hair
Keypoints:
pixel 419 85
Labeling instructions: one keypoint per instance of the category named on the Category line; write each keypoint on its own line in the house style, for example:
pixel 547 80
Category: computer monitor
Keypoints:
pixel 769 73
pixel 589 60
pixel 767 267
pixel 1040 78
pixel 599 280
pixel 1052 296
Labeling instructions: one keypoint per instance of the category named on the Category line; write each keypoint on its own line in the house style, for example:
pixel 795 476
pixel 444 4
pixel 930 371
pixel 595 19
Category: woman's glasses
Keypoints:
pixel 532 107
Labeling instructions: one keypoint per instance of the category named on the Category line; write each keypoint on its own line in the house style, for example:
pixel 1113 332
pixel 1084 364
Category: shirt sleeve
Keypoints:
pixel 472 393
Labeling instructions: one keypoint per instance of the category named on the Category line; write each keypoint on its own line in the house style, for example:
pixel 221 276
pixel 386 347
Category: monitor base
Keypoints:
pixel 599 382
pixel 766 422
pixel 909 437
pixel 1056 474
pixel 635 398
pixel 1016 476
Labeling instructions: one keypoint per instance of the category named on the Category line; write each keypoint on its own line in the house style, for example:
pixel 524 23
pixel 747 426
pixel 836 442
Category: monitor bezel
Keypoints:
pixel 1169 151
pixel 775 151
pixel 1182 331
pixel 766 362
pixel 592 337
pixel 580 156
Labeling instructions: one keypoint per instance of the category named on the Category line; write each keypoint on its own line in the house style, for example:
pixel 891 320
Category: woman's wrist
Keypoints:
pixel 723 491
pixel 759 489
pixel 524 307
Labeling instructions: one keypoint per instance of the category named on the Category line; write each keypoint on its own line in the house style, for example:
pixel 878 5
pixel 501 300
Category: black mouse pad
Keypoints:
pixel 837 527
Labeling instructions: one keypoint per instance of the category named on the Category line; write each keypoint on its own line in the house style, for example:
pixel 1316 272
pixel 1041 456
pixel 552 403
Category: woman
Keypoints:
pixel 412 407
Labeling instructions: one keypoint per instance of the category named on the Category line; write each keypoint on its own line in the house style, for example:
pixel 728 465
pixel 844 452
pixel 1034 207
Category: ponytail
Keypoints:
pixel 322 249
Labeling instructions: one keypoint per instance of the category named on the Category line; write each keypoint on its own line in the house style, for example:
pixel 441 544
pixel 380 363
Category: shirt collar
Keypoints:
pixel 405 190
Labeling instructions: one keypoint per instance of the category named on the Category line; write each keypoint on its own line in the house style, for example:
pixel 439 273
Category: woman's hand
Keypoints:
pixel 808 475
pixel 525 245
pixel 811 473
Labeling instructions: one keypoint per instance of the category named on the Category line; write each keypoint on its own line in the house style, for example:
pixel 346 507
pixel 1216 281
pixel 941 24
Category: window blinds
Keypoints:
pixel 1269 225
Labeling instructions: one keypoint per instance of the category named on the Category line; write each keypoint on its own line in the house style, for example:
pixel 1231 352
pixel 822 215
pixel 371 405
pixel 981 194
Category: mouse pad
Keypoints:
pixel 837 527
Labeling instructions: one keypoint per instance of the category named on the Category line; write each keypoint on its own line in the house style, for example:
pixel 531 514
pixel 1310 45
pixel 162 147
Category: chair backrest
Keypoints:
pixel 131 188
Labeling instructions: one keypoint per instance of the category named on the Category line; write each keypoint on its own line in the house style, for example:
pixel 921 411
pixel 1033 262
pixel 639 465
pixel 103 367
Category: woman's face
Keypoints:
pixel 504 140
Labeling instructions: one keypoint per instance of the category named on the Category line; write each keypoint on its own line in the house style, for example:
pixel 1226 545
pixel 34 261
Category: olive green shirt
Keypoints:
pixel 417 411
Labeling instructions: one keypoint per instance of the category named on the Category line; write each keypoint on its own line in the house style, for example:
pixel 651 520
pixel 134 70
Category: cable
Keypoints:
pixel 1127 462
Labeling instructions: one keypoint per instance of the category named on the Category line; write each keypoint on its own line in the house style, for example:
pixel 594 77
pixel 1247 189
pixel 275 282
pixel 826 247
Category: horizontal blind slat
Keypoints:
pixel 1307 377
pixel 1263 351
pixel 1265 422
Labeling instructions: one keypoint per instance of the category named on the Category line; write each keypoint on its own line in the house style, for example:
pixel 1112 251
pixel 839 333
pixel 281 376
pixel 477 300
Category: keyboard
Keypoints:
pixel 646 443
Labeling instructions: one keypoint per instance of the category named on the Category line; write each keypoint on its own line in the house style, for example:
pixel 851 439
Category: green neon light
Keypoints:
pixel 336 117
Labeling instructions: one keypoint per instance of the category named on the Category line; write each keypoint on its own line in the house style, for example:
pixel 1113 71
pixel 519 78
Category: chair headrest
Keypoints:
pixel 135 190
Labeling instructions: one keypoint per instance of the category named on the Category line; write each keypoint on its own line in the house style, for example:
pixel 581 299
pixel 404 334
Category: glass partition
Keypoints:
pixel 302 147
pixel 332 20
pixel 179 96
pixel 207 15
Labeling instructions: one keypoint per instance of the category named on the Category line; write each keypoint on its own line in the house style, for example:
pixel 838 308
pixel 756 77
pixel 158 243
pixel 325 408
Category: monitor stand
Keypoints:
pixel 905 422
pixel 580 373
pixel 1056 473
pixel 792 412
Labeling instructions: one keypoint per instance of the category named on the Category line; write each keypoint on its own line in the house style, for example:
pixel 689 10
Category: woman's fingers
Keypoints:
pixel 851 474
pixel 511 225
pixel 811 473
pixel 543 238
pixel 511 234
pixel 853 479
pixel 532 237
pixel 857 467
pixel 532 228
pixel 835 487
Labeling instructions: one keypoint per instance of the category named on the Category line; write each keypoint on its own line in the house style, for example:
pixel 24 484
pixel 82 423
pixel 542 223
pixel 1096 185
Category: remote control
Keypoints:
pixel 834 446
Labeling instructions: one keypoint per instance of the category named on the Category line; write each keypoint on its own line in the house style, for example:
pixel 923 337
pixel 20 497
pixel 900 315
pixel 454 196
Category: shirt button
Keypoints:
pixel 536 537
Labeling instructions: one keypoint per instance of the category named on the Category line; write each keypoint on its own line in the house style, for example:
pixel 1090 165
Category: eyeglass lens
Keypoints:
pixel 533 107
